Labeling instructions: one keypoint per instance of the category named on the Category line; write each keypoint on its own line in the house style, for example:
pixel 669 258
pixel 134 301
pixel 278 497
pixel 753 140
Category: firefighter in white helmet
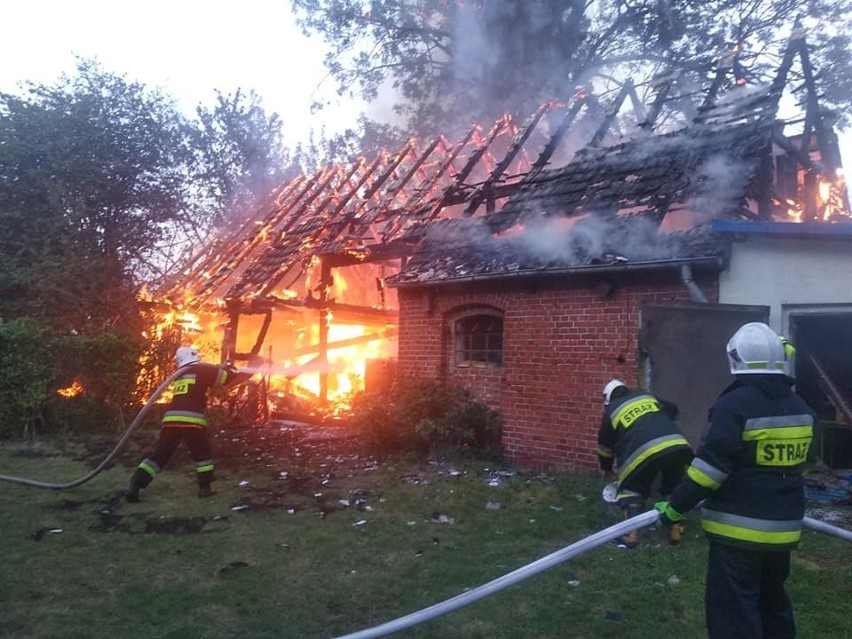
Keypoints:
pixel 748 473
pixel 639 435
pixel 185 420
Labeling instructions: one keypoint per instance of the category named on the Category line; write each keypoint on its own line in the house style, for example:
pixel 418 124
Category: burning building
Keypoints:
pixel 531 272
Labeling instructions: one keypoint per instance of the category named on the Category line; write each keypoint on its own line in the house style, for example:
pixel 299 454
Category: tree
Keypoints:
pixel 453 62
pixel 104 185
pixel 94 169
pixel 240 153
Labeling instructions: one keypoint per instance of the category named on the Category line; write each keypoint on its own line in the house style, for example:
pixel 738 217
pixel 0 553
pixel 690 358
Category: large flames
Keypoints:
pixel 292 363
pixel 829 202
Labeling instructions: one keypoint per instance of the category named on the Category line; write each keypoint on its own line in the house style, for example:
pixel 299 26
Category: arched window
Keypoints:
pixel 478 340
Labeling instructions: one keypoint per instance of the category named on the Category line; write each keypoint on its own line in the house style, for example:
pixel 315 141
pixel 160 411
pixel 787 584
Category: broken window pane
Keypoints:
pixel 478 341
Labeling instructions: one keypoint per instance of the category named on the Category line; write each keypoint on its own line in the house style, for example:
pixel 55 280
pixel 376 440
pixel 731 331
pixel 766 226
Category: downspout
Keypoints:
pixel 692 287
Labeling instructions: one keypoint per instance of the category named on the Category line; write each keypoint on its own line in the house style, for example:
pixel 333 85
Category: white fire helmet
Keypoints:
pixel 611 385
pixel 756 349
pixel 187 355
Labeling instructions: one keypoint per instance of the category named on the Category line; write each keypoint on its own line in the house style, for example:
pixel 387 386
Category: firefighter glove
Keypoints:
pixel 668 515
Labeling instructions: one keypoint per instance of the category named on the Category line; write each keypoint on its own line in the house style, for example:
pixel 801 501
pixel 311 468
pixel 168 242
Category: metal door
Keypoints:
pixel 683 355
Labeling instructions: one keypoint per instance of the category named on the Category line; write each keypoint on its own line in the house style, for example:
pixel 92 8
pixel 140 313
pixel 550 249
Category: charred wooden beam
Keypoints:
pixel 664 88
pixel 814 113
pixel 517 143
pixel 598 137
pixel 322 319
pixel 801 156
pixel 229 340
pixel 833 393
pixel 261 335
pixel 405 150
pixel 556 139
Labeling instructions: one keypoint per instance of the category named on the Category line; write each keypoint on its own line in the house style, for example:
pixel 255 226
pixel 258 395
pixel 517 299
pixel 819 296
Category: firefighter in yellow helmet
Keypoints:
pixel 639 434
pixel 748 471
pixel 185 420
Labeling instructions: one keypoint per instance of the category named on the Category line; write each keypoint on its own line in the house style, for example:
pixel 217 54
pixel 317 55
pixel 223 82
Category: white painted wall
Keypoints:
pixel 781 271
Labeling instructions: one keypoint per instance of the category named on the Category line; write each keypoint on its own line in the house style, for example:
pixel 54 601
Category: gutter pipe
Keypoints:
pixel 686 277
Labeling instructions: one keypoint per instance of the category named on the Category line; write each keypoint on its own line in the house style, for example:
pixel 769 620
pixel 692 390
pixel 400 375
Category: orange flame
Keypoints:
pixel 76 388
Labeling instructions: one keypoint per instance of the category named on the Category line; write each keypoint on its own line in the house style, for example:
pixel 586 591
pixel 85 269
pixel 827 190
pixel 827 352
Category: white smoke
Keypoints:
pixel 721 181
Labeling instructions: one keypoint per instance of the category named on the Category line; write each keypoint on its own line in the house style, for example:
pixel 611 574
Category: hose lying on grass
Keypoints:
pixel 577 548
pixel 100 467
pixel 587 543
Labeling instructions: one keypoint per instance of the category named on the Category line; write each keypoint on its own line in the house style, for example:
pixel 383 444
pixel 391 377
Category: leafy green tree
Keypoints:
pixel 240 153
pixel 452 62
pixel 94 169
pixel 104 185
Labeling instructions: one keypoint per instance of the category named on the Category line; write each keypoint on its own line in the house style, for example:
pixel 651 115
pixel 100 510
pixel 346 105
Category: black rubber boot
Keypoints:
pixel 132 492
pixel 206 490
pixel 137 483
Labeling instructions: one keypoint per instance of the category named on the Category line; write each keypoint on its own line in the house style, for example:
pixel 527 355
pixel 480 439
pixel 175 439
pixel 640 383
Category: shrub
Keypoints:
pixel 36 363
pixel 424 416
pixel 28 375
pixel 106 365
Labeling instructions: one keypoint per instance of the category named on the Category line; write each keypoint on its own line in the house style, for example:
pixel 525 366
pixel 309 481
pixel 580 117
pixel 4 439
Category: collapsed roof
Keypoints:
pixel 437 207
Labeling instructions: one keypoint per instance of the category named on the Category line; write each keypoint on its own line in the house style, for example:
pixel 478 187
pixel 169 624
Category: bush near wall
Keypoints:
pixel 426 417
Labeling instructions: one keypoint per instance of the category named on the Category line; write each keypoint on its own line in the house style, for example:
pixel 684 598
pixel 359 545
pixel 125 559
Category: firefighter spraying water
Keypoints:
pixel 185 420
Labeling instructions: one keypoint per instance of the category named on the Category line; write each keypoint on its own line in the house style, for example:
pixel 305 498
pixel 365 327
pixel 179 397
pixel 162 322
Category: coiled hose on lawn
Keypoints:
pixel 100 467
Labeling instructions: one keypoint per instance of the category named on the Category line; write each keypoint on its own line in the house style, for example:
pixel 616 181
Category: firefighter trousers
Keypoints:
pixel 669 466
pixel 745 594
pixel 170 437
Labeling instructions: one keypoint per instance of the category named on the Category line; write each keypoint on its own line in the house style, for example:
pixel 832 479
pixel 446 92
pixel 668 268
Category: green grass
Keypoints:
pixel 116 571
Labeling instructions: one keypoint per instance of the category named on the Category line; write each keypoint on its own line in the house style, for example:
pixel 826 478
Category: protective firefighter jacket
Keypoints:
pixel 635 429
pixel 749 465
pixel 189 394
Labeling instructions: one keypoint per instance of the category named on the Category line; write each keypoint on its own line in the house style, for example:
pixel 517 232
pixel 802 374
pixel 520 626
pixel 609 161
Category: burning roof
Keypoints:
pixel 648 201
pixel 723 164
pixel 366 212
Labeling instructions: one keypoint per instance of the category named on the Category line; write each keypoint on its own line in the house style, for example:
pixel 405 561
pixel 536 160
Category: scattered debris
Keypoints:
pixel 39 534
pixel 234 565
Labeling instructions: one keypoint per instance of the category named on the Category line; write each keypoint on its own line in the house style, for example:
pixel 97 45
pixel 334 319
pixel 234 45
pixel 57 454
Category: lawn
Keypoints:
pixel 307 538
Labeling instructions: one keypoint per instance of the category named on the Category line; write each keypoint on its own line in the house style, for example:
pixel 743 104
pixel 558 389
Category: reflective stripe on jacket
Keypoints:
pixel 636 428
pixel 749 465
pixel 189 395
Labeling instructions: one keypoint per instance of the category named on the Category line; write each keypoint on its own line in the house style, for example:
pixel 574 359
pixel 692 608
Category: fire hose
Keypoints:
pixel 525 572
pixel 100 467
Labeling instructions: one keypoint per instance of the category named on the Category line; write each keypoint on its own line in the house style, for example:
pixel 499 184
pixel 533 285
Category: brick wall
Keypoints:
pixel 562 341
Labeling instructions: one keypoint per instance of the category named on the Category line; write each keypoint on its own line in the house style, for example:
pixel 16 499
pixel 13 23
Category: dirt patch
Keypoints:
pixel 111 519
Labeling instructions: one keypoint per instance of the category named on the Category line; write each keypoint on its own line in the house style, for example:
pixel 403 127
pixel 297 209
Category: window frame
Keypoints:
pixel 479 348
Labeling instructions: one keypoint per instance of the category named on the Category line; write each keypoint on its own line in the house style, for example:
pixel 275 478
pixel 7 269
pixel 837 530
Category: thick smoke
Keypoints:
pixel 721 182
